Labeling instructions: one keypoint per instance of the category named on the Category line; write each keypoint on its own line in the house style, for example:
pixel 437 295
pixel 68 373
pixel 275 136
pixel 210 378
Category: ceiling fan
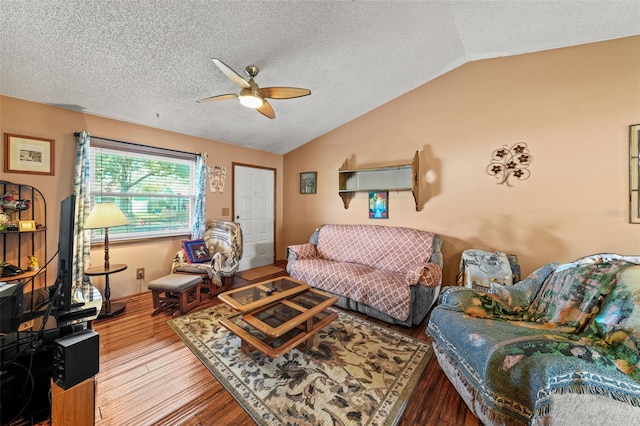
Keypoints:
pixel 250 94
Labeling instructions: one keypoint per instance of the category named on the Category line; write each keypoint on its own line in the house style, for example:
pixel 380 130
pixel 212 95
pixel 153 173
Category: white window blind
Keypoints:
pixel 154 188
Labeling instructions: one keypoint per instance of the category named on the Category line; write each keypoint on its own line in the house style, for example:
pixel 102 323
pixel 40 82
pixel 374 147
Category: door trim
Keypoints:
pixel 275 196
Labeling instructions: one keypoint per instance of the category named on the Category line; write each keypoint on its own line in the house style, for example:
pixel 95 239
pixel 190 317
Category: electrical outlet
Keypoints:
pixel 140 273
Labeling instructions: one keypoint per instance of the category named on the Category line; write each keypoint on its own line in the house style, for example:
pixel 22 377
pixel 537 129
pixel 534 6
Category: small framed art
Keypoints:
pixel 196 251
pixel 27 225
pixel 308 182
pixel 379 205
pixel 27 154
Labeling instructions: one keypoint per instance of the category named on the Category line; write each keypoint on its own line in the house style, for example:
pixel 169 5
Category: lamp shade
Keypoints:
pixel 105 215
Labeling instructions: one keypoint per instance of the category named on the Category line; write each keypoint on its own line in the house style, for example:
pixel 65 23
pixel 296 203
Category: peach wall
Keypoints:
pixel 33 119
pixel 572 106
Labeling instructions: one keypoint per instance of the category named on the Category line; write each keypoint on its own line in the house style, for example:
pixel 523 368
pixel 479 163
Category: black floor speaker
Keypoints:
pixel 76 357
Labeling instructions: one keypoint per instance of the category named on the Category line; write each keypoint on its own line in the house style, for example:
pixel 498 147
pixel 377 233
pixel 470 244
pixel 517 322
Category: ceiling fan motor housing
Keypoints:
pixel 252 70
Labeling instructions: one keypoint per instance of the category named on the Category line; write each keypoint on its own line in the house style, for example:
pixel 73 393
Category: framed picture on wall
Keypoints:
pixel 379 205
pixel 308 182
pixel 28 154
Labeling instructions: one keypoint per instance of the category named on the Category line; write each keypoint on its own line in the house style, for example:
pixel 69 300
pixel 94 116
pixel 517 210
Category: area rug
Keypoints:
pixel 259 272
pixel 357 373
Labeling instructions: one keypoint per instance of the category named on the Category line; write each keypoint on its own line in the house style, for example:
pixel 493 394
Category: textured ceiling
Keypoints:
pixel 147 62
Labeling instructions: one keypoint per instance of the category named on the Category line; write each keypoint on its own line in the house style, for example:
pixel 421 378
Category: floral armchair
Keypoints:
pixel 216 256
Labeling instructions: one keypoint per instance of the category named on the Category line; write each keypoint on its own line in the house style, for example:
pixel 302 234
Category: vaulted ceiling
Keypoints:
pixel 147 62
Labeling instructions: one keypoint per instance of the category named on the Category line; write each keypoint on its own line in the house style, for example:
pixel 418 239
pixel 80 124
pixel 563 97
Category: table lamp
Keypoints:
pixel 105 215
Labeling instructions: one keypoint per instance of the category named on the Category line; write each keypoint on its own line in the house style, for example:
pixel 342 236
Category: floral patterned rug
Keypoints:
pixel 357 373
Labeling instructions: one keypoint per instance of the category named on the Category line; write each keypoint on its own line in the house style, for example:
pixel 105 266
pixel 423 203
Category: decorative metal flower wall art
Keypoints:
pixel 510 162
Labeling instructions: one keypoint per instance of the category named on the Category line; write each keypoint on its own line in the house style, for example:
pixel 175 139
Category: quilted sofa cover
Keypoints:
pixel 390 273
pixel 560 347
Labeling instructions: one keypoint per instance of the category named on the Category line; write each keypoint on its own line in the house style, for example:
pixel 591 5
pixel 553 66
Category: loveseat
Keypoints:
pixel 390 273
pixel 559 347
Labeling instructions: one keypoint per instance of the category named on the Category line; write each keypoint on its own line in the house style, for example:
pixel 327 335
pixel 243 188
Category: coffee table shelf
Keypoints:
pixel 277 315
pixel 261 294
pixel 273 347
pixel 283 316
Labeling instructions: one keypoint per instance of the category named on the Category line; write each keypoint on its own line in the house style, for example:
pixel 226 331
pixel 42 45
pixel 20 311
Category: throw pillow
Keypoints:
pixel 621 309
pixel 522 294
pixel 196 251
pixel 616 329
pixel 303 251
pixel 571 295
pixel 516 295
pixel 427 274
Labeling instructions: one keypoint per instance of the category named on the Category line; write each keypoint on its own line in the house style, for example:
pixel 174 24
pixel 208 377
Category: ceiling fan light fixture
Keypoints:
pixel 250 99
pixel 250 94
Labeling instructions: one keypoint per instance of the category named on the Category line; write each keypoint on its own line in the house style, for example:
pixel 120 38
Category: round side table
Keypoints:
pixel 110 309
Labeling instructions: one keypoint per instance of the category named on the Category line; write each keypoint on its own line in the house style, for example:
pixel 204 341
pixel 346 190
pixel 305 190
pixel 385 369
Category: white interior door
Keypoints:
pixel 254 210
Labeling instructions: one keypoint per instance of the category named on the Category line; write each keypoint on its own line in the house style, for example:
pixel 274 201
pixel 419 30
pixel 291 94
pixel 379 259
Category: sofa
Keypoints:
pixel 390 273
pixel 559 347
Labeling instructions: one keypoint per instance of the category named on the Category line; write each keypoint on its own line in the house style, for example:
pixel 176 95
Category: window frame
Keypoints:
pixel 100 145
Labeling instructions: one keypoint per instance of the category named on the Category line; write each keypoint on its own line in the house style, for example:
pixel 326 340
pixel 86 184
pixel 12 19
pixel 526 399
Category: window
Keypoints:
pixel 154 188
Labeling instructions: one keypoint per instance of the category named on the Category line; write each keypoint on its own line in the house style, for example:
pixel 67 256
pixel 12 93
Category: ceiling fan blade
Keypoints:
pixel 283 92
pixel 218 98
pixel 231 74
pixel 266 110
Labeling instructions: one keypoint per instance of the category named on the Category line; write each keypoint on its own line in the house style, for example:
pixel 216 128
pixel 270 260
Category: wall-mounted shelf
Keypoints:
pixel 402 177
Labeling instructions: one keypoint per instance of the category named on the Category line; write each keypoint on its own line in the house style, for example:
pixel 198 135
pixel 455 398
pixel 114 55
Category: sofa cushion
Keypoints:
pixel 471 342
pixel 572 294
pixel 385 291
pixel 517 368
pixel 376 246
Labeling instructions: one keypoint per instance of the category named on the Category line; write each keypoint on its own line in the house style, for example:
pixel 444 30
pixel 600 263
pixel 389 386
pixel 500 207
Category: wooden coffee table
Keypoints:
pixel 277 315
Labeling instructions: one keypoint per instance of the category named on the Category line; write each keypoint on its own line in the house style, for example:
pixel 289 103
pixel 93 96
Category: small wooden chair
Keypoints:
pixel 181 291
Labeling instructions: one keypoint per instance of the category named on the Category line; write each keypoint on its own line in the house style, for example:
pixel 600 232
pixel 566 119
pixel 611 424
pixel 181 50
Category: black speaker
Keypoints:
pixel 76 357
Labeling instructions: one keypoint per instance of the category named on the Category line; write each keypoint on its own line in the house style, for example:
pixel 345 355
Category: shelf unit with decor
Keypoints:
pixel 402 177
pixel 18 243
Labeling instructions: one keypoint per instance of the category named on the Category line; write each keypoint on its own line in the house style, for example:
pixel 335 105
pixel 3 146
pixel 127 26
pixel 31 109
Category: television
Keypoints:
pixel 27 357
pixel 62 291
pixel 67 307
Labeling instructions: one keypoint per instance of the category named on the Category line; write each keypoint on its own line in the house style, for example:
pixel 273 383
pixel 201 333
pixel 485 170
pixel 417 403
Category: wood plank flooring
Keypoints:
pixel 149 377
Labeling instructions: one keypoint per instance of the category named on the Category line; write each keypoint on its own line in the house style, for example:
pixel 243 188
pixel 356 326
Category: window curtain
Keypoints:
pixel 199 220
pixel 82 237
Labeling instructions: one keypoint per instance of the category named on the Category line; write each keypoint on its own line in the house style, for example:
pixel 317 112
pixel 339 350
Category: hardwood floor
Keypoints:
pixel 148 376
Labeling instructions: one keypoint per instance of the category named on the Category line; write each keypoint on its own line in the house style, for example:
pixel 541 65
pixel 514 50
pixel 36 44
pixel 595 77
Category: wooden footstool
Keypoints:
pixel 175 291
